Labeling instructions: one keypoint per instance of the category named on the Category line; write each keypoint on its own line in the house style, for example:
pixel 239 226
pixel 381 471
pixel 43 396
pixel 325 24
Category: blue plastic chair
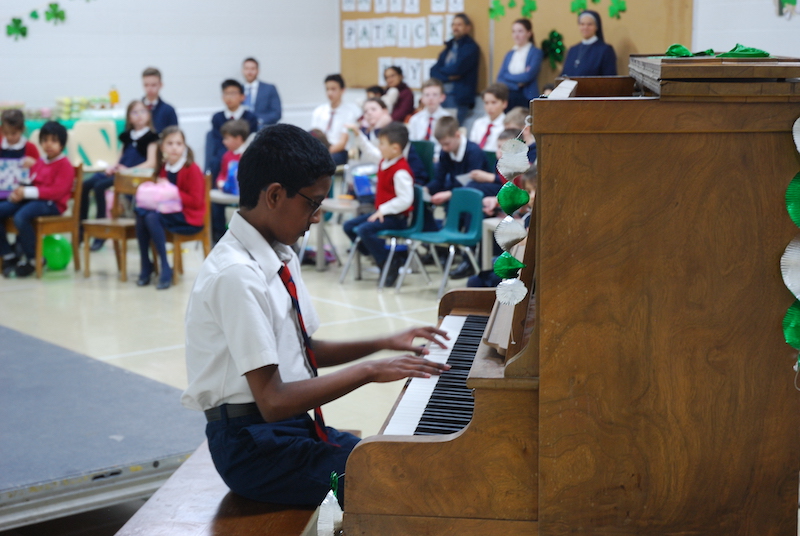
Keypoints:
pixel 465 203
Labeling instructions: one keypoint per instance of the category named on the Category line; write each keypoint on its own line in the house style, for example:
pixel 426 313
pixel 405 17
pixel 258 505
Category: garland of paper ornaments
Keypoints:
pixel 790 261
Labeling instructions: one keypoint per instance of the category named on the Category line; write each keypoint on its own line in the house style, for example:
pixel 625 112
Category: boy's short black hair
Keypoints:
pixel 395 132
pixel 13 119
pixel 335 78
pixel 56 130
pixel 285 154
pixel 235 127
pixel 378 90
pixel 230 82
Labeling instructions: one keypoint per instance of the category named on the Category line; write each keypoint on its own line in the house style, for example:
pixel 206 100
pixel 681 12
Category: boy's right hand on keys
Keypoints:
pixel 405 366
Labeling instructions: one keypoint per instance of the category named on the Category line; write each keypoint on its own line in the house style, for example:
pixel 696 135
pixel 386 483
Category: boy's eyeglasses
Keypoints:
pixel 315 206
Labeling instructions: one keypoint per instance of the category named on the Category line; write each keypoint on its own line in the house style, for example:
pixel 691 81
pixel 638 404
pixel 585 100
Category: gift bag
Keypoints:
pixel 161 196
pixel 12 174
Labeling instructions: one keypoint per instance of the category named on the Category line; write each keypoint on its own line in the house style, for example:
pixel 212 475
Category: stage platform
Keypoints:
pixel 78 434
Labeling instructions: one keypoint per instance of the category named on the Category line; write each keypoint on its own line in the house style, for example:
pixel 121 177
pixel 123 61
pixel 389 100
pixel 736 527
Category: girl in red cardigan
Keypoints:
pixel 175 163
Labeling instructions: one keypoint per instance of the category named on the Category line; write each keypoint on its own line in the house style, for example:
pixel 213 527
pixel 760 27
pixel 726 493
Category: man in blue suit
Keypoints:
pixel 457 68
pixel 260 98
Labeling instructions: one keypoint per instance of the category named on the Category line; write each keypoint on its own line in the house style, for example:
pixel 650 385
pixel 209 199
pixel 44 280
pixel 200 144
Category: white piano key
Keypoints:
pixel 409 410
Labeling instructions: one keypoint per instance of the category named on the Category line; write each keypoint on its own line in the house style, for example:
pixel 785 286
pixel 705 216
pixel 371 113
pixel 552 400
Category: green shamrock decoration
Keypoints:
pixel 617 7
pixel 577 5
pixel 553 48
pixel 55 14
pixel 16 29
pixel 512 4
pixel 34 15
pixel 528 7
pixel 497 10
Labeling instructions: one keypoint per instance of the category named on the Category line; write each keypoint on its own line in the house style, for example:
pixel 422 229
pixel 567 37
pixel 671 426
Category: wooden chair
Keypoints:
pixel 204 236
pixel 69 222
pixel 115 228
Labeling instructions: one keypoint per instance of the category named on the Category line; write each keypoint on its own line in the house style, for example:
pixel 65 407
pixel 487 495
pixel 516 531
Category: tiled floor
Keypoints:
pixel 141 329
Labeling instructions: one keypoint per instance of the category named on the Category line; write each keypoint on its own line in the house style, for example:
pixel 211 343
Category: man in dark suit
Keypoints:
pixel 457 68
pixel 260 98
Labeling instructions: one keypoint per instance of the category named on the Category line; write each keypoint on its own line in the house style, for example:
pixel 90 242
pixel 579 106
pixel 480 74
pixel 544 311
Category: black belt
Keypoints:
pixel 232 410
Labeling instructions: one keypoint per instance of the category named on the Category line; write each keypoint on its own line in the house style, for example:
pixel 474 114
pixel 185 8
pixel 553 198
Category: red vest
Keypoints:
pixel 385 188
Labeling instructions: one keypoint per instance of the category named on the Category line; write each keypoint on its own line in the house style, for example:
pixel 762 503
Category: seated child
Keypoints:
pixel 394 199
pixel 458 158
pixel 139 146
pixel 487 128
pixel 15 150
pixel 51 181
pixel 422 123
pixel 175 163
pixel 235 137
pixel 516 119
pixel 251 357
pixel 332 117
pixel 490 182
pixel 233 97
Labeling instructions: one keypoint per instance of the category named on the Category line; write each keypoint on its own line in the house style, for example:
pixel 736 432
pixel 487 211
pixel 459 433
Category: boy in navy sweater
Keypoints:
pixel 163 114
pixel 458 158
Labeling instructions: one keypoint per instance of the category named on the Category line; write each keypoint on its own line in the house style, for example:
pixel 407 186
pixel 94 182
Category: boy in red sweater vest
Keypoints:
pixel 394 198
pixel 50 188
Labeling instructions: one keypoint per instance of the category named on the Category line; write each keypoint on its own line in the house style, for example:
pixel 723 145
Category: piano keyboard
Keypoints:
pixel 442 404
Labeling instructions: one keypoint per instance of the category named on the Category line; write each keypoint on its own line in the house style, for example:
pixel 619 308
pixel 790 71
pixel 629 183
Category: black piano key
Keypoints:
pixel 451 404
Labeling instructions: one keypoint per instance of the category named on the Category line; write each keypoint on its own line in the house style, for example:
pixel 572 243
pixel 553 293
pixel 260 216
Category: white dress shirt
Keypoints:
pixel 479 129
pixel 345 113
pixel 418 127
pixel 237 114
pixel 253 89
pixel 519 59
pixel 240 318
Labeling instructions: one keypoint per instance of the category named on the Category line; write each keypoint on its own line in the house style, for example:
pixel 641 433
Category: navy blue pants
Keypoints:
pixel 98 183
pixel 150 227
pixel 368 231
pixel 281 462
pixel 23 213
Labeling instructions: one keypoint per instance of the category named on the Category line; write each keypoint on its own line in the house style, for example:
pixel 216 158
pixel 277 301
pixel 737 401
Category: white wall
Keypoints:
pixel 720 24
pixel 195 43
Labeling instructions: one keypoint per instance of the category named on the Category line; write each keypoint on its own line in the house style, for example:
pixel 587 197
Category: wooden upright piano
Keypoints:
pixel 647 388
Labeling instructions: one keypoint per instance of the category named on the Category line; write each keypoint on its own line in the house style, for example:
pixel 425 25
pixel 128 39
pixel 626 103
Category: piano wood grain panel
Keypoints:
pixel 371 525
pixel 667 403
pixel 488 471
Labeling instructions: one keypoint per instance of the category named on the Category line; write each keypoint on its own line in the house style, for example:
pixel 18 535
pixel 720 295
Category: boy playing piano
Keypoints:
pixel 250 353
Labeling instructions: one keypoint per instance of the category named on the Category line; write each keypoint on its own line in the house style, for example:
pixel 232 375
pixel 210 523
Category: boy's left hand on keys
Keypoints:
pixel 404 341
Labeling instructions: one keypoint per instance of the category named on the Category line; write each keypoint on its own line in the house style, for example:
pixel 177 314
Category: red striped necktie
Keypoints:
pixel 428 132
pixel 288 282
pixel 486 136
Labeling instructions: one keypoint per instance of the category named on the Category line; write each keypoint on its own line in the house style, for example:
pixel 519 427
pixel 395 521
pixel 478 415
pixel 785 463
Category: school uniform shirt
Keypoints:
pixel 51 180
pixel 231 156
pixel 418 127
pixel 162 113
pixel 394 193
pixel 345 113
pixel 240 318
pixel 479 128
pixel 220 118
pixel 135 144
pixel 191 187
pixel 468 157
pixel 19 150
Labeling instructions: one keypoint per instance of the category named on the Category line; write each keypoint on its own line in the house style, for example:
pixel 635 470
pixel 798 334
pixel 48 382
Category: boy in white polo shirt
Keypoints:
pixel 250 353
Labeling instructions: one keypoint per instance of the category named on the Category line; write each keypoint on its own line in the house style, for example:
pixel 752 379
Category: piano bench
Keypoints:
pixel 195 501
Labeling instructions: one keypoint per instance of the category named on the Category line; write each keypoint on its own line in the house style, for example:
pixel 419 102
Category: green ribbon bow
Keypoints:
pixel 16 29
pixel 741 51
pixel 553 48
pixel 55 14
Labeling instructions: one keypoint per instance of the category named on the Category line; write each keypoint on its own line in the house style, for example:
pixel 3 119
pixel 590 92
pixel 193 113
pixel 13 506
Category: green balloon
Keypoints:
pixel 507 266
pixel 57 252
pixel 791 325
